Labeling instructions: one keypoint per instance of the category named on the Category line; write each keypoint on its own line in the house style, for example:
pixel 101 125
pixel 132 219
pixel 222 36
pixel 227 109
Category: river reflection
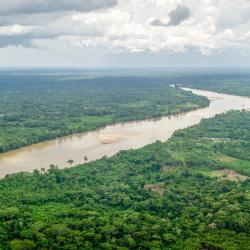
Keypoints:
pixel 112 139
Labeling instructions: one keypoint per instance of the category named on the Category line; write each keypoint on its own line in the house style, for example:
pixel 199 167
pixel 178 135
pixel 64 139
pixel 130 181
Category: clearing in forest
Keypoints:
pixel 158 188
pixel 226 159
pixel 229 175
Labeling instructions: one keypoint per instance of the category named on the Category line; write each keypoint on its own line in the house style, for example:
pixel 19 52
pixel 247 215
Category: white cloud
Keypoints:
pixel 208 26
pixel 14 30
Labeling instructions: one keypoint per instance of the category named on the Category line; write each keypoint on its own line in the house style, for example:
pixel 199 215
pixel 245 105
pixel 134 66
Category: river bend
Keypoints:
pixel 112 139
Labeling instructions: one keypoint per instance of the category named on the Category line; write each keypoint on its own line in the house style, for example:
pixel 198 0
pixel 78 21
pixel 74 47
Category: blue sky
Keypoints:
pixel 125 33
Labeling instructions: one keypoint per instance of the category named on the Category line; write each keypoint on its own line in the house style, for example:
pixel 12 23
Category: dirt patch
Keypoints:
pixel 229 175
pixel 110 138
pixel 158 188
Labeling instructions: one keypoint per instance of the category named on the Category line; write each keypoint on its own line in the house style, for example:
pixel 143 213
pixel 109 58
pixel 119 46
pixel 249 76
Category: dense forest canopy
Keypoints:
pixel 237 83
pixel 192 192
pixel 37 106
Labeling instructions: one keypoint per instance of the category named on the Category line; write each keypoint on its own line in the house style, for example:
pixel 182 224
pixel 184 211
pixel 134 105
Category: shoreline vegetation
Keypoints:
pixel 37 108
pixel 225 83
pixel 191 192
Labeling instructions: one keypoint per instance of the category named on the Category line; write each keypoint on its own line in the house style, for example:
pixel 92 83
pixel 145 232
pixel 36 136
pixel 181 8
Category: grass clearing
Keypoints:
pixel 226 159
pixel 228 174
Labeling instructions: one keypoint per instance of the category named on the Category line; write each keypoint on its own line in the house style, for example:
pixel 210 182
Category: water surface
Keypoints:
pixel 112 139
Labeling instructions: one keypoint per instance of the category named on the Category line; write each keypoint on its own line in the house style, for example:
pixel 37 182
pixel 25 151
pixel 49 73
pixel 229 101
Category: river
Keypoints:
pixel 111 139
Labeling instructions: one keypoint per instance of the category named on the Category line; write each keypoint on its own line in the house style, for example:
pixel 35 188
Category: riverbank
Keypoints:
pixel 130 135
pixel 37 108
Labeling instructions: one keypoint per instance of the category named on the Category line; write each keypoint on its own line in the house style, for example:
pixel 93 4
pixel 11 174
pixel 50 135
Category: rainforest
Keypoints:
pixel 189 192
pixel 39 106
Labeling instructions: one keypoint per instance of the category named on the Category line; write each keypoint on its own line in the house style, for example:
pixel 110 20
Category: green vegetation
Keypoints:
pixel 236 83
pixel 36 106
pixel 163 196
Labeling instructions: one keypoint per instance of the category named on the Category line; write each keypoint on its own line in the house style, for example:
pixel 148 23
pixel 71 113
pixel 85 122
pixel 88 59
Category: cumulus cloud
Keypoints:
pixel 48 18
pixel 11 7
pixel 175 17
pixel 178 15
pixel 129 25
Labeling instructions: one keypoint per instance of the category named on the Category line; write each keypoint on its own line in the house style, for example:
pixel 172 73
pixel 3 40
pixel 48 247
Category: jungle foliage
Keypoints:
pixel 162 196
pixel 39 106
pixel 235 83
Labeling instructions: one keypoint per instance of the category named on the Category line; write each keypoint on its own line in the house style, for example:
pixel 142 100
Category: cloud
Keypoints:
pixel 15 35
pixel 14 30
pixel 204 26
pixel 12 7
pixel 15 41
pixel 178 15
pixel 49 19
pixel 30 19
pixel 175 17
pixel 64 26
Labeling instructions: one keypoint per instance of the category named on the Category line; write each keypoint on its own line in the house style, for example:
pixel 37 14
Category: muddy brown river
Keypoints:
pixel 112 139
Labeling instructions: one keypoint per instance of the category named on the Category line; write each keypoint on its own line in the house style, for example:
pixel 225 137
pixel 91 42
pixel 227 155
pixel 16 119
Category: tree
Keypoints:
pixel 70 162
pixel 22 245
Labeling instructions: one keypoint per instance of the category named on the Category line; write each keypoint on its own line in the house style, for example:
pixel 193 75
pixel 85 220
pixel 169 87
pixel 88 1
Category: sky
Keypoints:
pixel 125 33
